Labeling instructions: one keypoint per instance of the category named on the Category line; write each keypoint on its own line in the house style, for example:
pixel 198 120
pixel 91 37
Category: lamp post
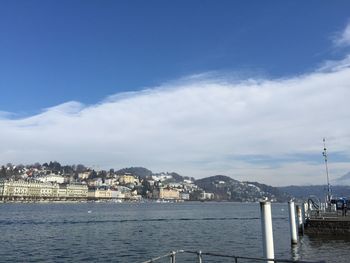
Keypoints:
pixel 329 194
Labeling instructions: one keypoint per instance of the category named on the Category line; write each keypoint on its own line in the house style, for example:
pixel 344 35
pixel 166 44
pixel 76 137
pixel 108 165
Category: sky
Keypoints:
pixel 243 88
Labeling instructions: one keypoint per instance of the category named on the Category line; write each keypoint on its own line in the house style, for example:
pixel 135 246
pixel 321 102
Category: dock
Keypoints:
pixel 328 224
pixel 329 218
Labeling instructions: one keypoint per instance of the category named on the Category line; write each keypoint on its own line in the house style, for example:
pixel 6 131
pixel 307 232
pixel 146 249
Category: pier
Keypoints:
pixel 328 226
pixel 322 222
pixel 329 218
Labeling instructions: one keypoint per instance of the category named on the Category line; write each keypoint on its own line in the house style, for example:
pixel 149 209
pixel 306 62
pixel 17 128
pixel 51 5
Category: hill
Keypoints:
pixel 226 188
pixel 136 171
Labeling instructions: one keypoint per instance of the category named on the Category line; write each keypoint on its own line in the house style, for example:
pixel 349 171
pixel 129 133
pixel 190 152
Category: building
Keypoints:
pixel 84 175
pixel 161 177
pixel 99 193
pixel 52 178
pixel 206 196
pixel 184 196
pixel 128 179
pixel 22 189
pixel 77 191
pixel 166 193
pixel 30 189
pixel 118 194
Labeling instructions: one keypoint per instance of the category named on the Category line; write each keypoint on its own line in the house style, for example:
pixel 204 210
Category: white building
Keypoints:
pixel 51 178
pixel 206 196
pixel 161 177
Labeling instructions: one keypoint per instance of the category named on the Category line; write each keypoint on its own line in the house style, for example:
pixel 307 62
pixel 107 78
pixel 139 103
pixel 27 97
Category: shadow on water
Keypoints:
pixel 295 252
pixel 327 247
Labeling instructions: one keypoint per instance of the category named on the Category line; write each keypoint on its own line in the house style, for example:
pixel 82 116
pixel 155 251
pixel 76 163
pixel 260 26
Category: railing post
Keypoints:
pixel 266 226
pixel 293 227
pixel 199 256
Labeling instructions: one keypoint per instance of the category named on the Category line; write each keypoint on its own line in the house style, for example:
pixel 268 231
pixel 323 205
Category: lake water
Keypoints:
pixel 134 232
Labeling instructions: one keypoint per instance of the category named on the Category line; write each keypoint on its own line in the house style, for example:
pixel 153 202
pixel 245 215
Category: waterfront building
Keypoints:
pixel 16 189
pixel 99 193
pixel 32 190
pixel 62 191
pixel 77 190
pixel 166 193
pixel 184 196
pixel 206 196
pixel 117 194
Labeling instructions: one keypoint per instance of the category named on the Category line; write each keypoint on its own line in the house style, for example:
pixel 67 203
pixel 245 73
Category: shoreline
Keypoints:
pixel 119 201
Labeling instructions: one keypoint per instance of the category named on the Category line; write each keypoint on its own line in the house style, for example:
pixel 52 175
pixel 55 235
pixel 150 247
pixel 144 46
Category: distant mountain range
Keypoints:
pixel 340 187
pixel 302 192
pixel 343 180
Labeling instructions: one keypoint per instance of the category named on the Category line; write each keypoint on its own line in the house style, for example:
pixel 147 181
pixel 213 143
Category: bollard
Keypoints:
pixel 293 227
pixel 199 256
pixel 266 226
pixel 172 257
pixel 300 220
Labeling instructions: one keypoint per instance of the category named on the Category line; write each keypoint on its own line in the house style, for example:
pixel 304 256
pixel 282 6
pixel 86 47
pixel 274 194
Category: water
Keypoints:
pixel 134 232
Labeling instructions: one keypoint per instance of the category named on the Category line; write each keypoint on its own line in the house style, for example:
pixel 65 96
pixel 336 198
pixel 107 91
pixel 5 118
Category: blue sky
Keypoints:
pixel 55 51
pixel 243 88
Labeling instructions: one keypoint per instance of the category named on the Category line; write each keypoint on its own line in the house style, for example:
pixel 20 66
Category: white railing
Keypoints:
pixel 200 255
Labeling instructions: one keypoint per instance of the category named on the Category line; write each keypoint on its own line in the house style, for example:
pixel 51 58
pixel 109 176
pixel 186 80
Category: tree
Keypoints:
pixel 3 172
pixel 80 168
pixel 55 166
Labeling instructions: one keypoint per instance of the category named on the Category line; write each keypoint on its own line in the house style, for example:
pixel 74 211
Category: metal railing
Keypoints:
pixel 172 257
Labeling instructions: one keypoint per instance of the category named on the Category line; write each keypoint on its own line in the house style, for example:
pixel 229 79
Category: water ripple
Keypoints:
pixel 72 222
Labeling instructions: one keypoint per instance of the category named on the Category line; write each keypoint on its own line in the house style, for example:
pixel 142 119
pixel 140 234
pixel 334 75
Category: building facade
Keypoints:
pixel 30 189
pixel 166 193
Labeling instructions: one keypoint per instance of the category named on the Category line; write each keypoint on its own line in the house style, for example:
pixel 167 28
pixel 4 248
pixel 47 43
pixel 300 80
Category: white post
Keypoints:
pixel 293 227
pixel 266 226
pixel 199 256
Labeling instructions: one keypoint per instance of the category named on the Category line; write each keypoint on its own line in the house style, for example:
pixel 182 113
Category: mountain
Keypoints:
pixel 226 188
pixel 303 192
pixel 343 180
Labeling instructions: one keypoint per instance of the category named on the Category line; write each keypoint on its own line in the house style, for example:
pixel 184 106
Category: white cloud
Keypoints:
pixel 335 65
pixel 342 39
pixel 198 127
pixel 5 114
